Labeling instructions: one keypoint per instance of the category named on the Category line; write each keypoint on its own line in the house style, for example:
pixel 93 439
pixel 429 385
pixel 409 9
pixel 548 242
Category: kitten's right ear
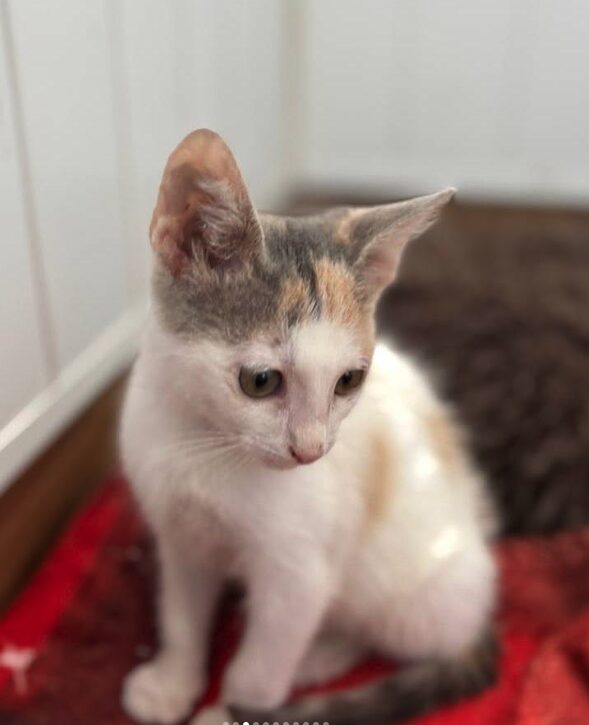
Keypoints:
pixel 203 212
pixel 380 234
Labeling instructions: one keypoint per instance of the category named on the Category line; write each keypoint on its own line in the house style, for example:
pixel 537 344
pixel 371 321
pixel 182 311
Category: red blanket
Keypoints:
pixel 87 617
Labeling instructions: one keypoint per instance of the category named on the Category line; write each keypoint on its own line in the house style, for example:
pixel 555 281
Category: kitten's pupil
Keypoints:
pixel 261 379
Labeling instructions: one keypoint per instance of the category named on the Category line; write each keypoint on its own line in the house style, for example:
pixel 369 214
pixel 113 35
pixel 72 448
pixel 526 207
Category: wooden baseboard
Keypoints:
pixel 35 507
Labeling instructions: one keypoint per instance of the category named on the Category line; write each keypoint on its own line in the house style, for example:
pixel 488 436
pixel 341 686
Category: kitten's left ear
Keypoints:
pixel 381 234
pixel 203 215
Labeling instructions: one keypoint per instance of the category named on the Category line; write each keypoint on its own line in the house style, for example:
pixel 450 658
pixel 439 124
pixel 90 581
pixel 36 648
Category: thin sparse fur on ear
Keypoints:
pixel 203 212
pixel 381 234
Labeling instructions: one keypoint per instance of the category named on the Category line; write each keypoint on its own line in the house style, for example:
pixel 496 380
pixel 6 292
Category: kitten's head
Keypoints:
pixel 273 316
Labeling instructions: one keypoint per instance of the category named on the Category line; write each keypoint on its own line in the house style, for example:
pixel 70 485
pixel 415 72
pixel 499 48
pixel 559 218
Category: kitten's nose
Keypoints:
pixel 307 454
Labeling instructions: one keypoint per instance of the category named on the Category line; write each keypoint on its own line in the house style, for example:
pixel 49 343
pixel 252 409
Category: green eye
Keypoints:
pixel 259 383
pixel 349 381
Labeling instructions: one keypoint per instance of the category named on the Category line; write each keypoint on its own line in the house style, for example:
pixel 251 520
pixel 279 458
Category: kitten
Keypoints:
pixel 268 439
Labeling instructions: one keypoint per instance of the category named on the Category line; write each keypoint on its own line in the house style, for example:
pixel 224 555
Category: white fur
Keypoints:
pixel 213 474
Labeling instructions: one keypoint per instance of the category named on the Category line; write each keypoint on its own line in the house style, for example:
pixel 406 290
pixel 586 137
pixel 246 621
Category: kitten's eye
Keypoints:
pixel 349 381
pixel 259 383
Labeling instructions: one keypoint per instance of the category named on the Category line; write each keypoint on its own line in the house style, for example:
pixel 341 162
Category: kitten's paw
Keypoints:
pixel 161 691
pixel 248 689
pixel 327 659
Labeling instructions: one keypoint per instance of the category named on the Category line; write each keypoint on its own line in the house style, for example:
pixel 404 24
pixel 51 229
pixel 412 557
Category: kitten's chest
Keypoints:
pixel 203 532
pixel 234 522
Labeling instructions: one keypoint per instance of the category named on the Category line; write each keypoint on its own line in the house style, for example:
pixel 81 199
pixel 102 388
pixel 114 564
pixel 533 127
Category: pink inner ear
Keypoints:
pixel 382 261
pixel 178 219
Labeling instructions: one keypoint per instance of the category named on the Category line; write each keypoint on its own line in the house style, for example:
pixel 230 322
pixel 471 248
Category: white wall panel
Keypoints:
pixel 459 62
pixel 245 79
pixel 63 76
pixel 557 109
pixel 143 80
pixel 489 96
pixel 23 370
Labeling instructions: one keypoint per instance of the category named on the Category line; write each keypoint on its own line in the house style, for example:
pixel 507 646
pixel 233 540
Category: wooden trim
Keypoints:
pixel 35 507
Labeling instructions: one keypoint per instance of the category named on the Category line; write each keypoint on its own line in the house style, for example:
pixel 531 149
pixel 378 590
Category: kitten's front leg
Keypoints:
pixel 164 689
pixel 285 610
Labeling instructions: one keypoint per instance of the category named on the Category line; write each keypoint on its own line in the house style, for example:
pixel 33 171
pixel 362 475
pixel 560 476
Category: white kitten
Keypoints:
pixel 267 439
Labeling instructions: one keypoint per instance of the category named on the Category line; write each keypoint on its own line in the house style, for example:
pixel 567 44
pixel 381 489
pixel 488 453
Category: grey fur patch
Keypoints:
pixel 237 304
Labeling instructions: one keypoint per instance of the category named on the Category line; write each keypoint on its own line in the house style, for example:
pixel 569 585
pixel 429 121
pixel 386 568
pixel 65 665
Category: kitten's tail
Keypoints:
pixel 412 691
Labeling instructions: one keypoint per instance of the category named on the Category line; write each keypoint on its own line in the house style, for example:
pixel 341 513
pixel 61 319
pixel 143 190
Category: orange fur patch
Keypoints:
pixel 445 438
pixel 379 480
pixel 294 295
pixel 337 291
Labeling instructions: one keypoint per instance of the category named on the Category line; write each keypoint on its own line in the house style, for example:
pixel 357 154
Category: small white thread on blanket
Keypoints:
pixel 17 660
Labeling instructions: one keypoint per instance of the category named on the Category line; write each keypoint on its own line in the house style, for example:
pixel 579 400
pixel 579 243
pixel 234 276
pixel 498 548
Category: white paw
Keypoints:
pixel 248 689
pixel 160 691
pixel 326 660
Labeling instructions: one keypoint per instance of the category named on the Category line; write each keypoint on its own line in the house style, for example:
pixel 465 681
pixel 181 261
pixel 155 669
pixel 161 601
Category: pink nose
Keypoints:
pixel 306 455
